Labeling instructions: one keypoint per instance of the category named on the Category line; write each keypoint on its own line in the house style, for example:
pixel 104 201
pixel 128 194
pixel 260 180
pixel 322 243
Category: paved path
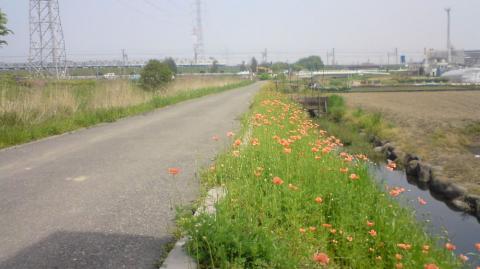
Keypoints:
pixel 101 197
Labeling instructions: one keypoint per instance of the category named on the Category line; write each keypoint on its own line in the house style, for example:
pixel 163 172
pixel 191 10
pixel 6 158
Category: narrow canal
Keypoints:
pixel 462 229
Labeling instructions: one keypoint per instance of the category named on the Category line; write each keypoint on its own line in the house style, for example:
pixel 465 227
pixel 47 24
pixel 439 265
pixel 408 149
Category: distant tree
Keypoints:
pixel 214 67
pixel 296 67
pixel 155 74
pixel 243 67
pixel 253 65
pixel 171 64
pixel 279 67
pixel 3 27
pixel 312 63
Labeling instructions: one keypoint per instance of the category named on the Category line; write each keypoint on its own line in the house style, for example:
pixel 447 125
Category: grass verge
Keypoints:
pixel 355 127
pixel 14 131
pixel 295 201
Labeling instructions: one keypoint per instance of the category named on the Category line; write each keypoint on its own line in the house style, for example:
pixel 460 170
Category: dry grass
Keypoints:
pixel 433 125
pixel 43 101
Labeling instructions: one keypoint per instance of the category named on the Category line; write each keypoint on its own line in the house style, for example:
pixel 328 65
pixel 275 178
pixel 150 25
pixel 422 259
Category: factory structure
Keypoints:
pixel 455 64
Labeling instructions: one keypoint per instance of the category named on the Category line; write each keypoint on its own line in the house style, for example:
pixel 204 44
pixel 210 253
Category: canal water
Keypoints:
pixel 462 229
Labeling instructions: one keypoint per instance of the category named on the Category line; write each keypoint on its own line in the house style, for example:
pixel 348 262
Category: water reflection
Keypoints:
pixel 461 228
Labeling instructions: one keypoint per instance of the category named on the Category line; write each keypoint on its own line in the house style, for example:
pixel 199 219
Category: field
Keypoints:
pixel 33 109
pixel 295 200
pixel 441 127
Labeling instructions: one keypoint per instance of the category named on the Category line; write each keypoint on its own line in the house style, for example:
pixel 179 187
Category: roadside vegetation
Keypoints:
pixel 355 127
pixel 296 200
pixel 32 109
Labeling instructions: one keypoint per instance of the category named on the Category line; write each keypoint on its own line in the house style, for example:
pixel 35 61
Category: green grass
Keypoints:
pixel 257 225
pixel 15 131
pixel 355 127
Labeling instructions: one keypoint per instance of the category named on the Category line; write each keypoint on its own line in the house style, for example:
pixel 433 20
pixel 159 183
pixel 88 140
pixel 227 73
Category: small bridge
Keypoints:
pixel 315 105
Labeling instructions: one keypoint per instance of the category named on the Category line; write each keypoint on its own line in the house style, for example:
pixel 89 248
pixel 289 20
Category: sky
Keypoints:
pixel 236 30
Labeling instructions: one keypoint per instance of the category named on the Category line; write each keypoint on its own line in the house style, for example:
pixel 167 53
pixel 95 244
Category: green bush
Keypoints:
pixel 155 74
pixel 336 107
pixel 264 76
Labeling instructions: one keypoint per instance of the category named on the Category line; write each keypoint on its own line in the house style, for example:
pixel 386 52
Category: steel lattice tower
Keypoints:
pixel 198 32
pixel 47 45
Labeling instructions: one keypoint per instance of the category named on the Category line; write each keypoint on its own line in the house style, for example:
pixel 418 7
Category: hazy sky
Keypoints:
pixel 359 30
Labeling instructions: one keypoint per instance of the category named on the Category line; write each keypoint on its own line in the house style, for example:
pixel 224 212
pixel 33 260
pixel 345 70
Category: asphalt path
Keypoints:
pixel 102 197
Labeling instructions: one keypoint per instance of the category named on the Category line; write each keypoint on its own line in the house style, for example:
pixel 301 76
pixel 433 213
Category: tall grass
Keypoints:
pixel 33 112
pixel 293 200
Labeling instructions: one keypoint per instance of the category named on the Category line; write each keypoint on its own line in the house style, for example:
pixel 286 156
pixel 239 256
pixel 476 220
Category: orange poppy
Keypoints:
pixel 215 138
pixel 463 258
pixel 230 134
pixel 237 142
pixel 421 201
pixel 277 181
pixel 450 246
pixel 398 256
pixel 404 246
pixel 173 171
pixel 287 150
pixel 255 142
pixel 399 266
pixel 370 223
pixel 312 228
pixel 354 176
pixel 431 266
pixel 373 233
pixel 319 200
pixel 477 246
pixel 321 258
pixel 302 230
pixel 344 170
pixel 326 225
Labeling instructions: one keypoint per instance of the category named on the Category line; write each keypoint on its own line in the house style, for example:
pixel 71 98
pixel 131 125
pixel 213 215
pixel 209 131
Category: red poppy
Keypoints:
pixel 321 258
pixel 450 246
pixel 277 181
pixel 173 171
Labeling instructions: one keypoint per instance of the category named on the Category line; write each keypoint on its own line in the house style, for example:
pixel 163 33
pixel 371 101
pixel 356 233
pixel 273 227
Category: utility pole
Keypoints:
pixel 264 56
pixel 47 56
pixel 124 61
pixel 333 56
pixel 449 44
pixel 198 33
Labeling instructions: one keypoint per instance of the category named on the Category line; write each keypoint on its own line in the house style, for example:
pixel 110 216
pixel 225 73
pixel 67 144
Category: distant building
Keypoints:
pixel 472 58
pixel 436 61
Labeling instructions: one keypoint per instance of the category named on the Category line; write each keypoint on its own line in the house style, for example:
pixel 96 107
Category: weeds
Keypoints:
pixel 295 201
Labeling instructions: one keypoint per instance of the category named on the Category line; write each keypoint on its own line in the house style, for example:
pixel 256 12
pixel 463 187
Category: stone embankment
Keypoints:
pixel 428 177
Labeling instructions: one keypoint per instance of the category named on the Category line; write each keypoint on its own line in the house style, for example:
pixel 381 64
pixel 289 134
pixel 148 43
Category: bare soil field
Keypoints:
pixel 441 127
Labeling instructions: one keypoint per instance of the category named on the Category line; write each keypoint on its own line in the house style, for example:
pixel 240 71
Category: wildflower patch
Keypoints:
pixel 296 200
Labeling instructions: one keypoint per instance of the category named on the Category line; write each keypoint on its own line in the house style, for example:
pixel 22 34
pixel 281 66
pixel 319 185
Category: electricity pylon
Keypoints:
pixel 198 32
pixel 47 55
